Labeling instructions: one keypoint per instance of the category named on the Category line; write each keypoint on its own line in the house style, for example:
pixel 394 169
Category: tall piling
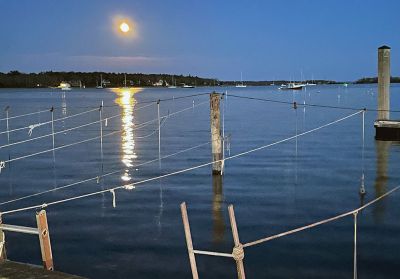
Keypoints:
pixel 385 129
pixel 216 138
pixel 383 83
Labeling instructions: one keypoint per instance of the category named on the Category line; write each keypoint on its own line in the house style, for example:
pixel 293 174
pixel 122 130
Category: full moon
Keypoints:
pixel 124 27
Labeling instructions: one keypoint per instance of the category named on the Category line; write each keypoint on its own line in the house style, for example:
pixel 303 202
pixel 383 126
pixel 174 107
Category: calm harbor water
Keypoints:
pixel 273 190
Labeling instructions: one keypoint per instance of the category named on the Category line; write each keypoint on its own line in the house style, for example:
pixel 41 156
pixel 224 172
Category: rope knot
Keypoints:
pixel 44 205
pixel 238 252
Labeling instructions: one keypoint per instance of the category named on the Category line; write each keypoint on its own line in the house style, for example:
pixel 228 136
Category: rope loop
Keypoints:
pixel 2 165
pixel 113 195
pixel 33 126
pixel 238 253
pixel 129 187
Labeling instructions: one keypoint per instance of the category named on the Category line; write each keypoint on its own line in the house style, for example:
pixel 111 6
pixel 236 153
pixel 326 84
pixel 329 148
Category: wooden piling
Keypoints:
pixel 383 83
pixel 238 252
pixel 385 129
pixel 44 238
pixel 189 243
pixel 216 138
pixel 3 254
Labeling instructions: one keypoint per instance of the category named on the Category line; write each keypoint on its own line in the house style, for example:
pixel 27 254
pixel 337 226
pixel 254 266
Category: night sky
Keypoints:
pixel 329 39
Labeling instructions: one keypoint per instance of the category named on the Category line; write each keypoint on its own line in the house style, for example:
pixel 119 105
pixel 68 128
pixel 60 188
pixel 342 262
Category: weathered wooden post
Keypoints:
pixel 3 254
pixel 189 243
pixel 44 238
pixel 383 83
pixel 238 252
pixel 385 128
pixel 216 138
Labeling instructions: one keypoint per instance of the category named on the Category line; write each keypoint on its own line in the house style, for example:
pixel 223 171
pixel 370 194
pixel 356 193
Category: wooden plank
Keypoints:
pixel 20 229
pixel 13 270
pixel 238 253
pixel 44 238
pixel 189 243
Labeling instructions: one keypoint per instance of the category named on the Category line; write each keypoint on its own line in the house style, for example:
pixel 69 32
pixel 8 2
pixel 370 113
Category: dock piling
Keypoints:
pixel 383 83
pixel 3 254
pixel 216 138
pixel 385 128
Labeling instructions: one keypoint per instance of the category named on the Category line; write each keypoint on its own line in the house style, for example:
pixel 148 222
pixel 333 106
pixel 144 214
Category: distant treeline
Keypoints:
pixel 375 80
pixel 16 79
pixel 276 82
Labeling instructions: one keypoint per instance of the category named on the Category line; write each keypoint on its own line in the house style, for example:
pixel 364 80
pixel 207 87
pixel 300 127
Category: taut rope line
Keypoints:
pixel 132 185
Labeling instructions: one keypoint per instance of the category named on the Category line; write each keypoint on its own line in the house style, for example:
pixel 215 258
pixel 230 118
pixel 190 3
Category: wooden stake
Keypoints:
pixel 238 253
pixel 3 254
pixel 189 243
pixel 52 132
pixel 216 139
pixel 44 238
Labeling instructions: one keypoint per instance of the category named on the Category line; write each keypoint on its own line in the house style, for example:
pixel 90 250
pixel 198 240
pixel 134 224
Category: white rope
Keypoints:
pixel 70 116
pixel 163 120
pixel 319 222
pixel 139 126
pixel 8 126
pixel 113 196
pixel 97 178
pixel 181 171
pixel 60 147
pixel 355 246
pixel 362 186
pixel 22 115
pixel 223 138
pixel 159 130
pixel 55 133
pixel 52 133
pixel 33 126
pixel 210 253
pixel 101 130
pixel 2 165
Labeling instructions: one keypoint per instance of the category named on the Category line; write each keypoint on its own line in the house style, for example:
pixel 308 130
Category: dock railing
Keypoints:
pixel 42 231
pixel 238 249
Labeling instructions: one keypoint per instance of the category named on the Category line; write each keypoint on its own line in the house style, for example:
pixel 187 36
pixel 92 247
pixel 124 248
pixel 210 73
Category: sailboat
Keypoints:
pixel 173 85
pixel 241 84
pixel 101 83
pixel 312 83
pixel 125 81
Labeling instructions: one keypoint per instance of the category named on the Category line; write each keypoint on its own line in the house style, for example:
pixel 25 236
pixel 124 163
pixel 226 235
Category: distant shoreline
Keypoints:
pixel 16 79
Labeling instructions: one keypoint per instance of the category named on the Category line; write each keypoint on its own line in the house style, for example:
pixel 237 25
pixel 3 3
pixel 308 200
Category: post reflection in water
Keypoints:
pixel 218 218
pixel 382 157
pixel 127 102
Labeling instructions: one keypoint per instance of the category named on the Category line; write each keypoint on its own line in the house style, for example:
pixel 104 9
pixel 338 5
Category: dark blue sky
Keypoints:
pixel 329 39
